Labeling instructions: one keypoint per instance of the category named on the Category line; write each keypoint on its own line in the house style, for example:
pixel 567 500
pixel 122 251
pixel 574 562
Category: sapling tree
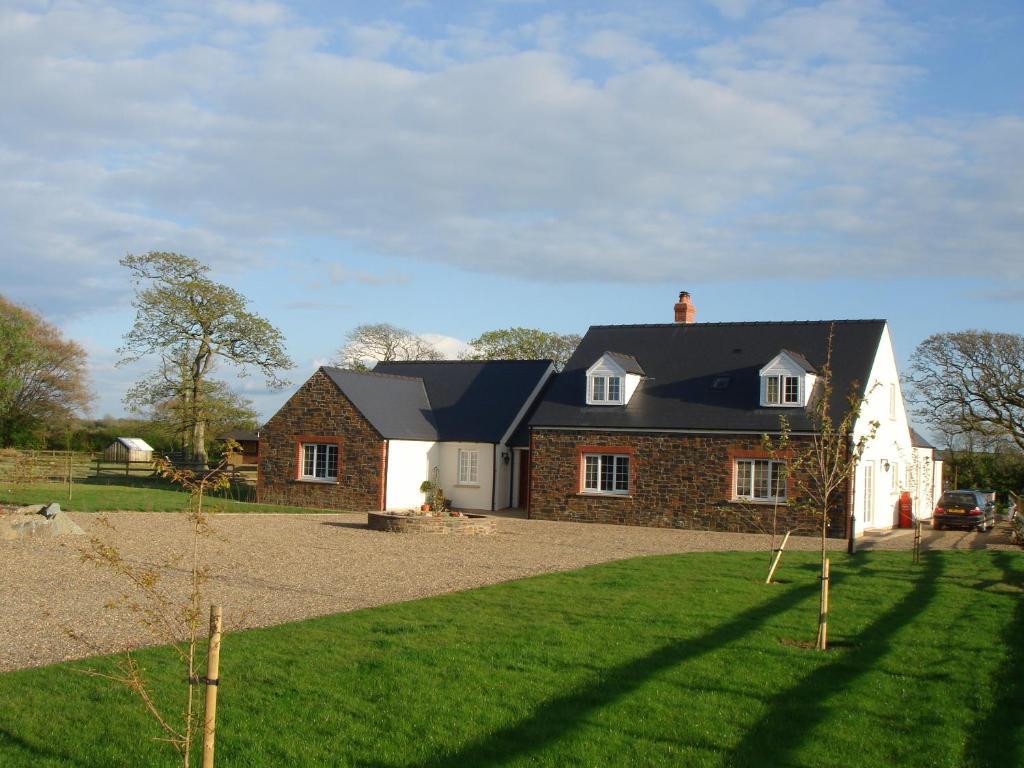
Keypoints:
pixel 193 323
pixel 821 465
pixel 170 616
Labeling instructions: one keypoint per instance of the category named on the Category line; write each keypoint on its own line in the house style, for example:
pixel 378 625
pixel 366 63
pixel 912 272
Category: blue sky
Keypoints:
pixel 457 167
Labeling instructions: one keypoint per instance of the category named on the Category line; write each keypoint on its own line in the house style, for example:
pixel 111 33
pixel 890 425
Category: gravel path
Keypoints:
pixel 270 569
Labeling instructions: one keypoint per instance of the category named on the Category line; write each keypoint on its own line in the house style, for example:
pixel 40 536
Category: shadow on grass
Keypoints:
pixel 31 752
pixel 557 717
pixel 996 741
pixel 794 712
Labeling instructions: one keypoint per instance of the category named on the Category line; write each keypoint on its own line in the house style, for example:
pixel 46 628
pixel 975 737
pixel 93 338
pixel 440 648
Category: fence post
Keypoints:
pixel 212 683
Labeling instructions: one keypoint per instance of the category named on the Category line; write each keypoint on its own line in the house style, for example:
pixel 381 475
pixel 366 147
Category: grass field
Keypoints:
pixel 681 660
pixel 105 494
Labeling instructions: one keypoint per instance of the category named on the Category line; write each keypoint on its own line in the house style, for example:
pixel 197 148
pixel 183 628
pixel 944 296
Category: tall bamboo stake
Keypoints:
pixel 822 643
pixel 917 543
pixel 212 683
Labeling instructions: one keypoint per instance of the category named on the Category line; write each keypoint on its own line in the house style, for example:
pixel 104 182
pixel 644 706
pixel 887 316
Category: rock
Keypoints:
pixel 31 509
pixel 51 510
pixel 63 525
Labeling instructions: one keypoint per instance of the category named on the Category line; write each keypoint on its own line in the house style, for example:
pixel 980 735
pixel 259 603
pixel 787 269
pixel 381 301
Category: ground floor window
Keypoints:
pixel 760 480
pixel 469 467
pixel 605 473
pixel 319 461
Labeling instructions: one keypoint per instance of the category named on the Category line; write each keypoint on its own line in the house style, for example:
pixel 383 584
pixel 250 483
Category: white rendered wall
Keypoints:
pixel 891 444
pixel 467 496
pixel 410 462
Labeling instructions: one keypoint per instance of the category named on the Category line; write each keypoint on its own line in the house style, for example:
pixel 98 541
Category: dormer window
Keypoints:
pixel 613 379
pixel 787 380
pixel 782 390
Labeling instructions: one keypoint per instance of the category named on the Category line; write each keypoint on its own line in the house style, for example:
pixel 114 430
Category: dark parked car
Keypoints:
pixel 965 509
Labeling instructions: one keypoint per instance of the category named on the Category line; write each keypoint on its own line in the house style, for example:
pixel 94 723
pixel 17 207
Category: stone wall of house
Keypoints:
pixel 677 481
pixel 319 408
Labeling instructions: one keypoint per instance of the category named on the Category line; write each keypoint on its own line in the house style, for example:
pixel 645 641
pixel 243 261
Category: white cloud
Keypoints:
pixel 448 346
pixel 491 149
pixel 619 48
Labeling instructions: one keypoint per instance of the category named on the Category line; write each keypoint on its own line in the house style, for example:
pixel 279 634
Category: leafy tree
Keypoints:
pixel 42 376
pixel 166 399
pixel 382 342
pixel 193 323
pixel 970 385
pixel 524 344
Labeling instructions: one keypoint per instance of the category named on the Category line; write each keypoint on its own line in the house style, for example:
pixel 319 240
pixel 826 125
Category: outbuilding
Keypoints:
pixel 128 449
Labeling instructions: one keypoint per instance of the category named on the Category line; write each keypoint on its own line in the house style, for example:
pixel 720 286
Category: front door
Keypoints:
pixel 524 479
pixel 869 493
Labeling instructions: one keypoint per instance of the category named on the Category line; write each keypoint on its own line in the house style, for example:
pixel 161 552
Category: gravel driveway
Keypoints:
pixel 270 569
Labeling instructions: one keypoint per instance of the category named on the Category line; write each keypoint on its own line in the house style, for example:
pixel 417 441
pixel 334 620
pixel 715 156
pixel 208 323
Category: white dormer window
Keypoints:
pixel 782 390
pixel 786 381
pixel 612 379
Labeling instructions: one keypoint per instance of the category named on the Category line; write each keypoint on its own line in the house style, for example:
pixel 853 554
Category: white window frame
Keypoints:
pixel 595 473
pixel 469 466
pixel 597 389
pixel 315 470
pixel 614 382
pixel 744 486
pixel 780 381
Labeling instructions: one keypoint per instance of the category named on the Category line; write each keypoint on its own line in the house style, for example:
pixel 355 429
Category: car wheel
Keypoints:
pixel 936 526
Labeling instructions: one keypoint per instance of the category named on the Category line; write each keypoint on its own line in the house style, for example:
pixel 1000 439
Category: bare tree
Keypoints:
pixel 193 322
pixel 970 385
pixel 382 342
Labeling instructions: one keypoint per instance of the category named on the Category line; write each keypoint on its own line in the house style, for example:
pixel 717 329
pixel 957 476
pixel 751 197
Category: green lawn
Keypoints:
pixel 683 660
pixel 104 494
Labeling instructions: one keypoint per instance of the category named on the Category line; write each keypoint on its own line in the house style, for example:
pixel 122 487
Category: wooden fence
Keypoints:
pixel 101 466
pixel 18 466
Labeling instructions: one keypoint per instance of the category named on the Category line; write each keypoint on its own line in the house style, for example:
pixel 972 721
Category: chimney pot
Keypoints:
pixel 685 311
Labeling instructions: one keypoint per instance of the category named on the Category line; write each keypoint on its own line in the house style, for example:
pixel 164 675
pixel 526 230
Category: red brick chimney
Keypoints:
pixel 685 311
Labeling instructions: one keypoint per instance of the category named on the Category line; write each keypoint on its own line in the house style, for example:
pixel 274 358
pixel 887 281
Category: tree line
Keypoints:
pixel 193 327
pixel 967 386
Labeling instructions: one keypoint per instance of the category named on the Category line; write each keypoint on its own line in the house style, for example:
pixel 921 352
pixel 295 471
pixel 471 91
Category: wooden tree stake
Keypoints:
pixel 212 683
pixel 778 556
pixel 822 643
pixel 917 543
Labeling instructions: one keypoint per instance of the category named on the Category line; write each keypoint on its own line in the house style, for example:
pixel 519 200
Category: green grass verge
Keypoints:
pixel 104 494
pixel 679 661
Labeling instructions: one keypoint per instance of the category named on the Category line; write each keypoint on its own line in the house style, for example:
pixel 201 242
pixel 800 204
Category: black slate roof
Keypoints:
pixel 628 362
pixel 473 400
pixel 396 406
pixel 683 361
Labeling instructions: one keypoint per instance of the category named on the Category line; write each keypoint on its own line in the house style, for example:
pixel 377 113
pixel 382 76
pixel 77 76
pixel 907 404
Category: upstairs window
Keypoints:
pixel 606 389
pixel 782 390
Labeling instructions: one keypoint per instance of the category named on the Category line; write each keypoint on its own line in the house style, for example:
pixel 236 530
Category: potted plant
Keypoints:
pixel 427 489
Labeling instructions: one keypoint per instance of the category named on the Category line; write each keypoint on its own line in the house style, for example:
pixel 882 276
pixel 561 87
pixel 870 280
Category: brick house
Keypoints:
pixel 367 440
pixel 661 425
